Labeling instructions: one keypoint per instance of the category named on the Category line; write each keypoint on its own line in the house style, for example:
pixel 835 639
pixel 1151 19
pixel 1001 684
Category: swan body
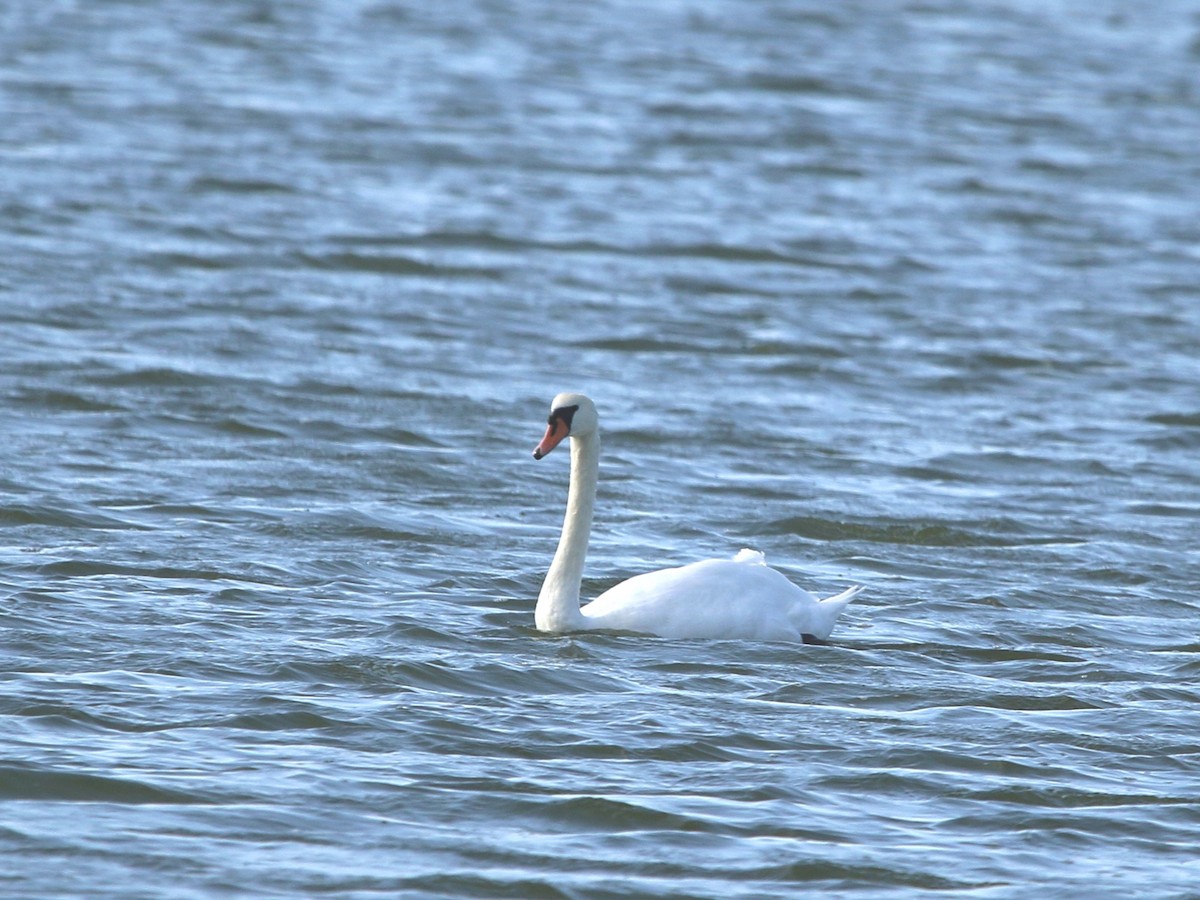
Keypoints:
pixel 716 598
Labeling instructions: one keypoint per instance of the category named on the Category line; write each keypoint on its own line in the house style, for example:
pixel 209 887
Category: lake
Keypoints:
pixel 904 295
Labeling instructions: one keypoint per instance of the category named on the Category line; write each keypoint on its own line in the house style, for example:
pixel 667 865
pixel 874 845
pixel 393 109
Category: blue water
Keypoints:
pixel 905 295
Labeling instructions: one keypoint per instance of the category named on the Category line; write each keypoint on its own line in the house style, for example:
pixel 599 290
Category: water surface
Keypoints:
pixel 901 294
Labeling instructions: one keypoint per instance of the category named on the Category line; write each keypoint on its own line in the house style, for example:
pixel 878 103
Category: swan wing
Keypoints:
pixel 741 598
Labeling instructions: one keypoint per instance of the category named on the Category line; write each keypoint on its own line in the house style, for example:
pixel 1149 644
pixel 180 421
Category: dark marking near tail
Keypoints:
pixel 813 639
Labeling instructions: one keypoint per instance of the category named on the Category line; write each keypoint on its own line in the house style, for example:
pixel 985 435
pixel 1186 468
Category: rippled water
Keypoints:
pixel 906 295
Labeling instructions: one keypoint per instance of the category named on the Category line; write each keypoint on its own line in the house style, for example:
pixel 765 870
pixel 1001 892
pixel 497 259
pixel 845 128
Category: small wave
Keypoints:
pixel 291 720
pixel 27 782
pixel 393 264
pixel 610 814
pixel 227 185
pixel 993 533
pixel 87 568
pixel 1175 420
pixel 57 515
pixel 63 400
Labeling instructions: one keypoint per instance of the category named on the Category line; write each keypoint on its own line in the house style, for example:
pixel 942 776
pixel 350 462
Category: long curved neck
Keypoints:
pixel 558 603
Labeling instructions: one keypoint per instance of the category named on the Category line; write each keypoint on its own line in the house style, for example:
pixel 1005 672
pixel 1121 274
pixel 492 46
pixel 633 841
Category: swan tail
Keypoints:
pixel 840 601
pixel 829 609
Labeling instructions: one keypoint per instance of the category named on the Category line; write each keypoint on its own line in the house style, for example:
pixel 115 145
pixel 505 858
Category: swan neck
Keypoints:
pixel 558 602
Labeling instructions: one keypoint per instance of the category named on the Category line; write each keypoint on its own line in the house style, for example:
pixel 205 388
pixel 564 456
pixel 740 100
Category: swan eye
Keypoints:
pixel 563 414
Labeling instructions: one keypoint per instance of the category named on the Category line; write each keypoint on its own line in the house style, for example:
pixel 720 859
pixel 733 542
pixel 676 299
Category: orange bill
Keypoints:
pixel 555 432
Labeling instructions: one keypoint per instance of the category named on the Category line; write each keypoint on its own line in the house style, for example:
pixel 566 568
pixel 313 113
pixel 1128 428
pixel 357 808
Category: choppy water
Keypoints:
pixel 905 294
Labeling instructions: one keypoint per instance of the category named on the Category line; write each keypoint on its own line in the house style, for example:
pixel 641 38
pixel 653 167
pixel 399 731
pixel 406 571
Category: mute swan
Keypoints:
pixel 717 598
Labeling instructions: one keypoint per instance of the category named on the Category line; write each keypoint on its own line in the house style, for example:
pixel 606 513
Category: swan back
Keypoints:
pixel 741 598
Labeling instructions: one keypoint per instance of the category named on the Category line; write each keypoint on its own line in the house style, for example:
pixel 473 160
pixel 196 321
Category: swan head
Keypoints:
pixel 571 415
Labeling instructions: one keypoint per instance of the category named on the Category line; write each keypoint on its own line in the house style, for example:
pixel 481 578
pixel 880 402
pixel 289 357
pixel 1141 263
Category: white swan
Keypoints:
pixel 717 598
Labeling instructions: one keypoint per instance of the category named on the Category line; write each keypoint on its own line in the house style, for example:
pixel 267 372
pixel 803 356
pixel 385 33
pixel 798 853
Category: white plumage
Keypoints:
pixel 716 598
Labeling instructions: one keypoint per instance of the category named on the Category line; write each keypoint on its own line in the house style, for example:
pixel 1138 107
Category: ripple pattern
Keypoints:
pixel 900 294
